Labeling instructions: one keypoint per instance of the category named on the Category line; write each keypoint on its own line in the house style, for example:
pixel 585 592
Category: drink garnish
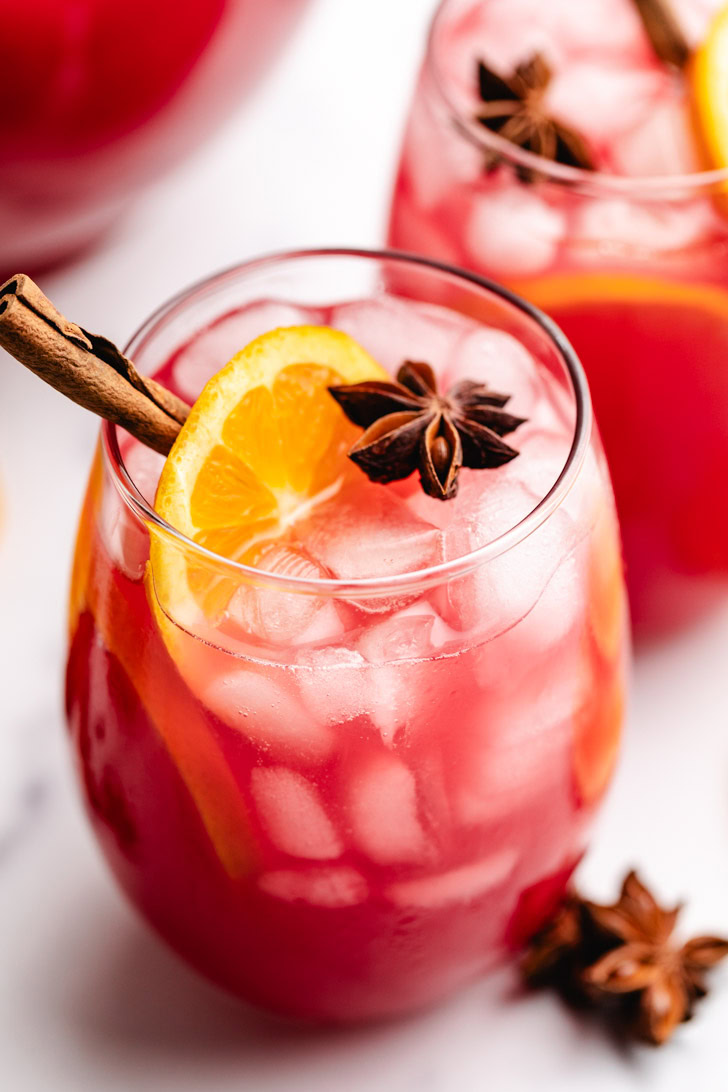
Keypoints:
pixel 621 961
pixel 708 75
pixel 410 426
pixel 513 108
pixel 663 30
pixel 87 368
pixel 513 104
pixel 263 445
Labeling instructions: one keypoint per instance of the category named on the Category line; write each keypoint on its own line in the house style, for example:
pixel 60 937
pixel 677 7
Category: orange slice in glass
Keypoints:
pixel 263 444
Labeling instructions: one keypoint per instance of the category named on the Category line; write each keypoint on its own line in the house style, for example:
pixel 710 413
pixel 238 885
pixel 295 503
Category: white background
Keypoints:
pixel 88 999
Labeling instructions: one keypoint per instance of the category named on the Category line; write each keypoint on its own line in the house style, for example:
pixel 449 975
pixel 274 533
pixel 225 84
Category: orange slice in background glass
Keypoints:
pixel 708 79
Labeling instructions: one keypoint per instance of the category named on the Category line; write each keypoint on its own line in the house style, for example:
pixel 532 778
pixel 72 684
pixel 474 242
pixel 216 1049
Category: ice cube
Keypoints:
pixel 662 143
pixel 511 231
pixel 370 533
pixel 484 510
pixel 285 617
pixel 495 358
pixel 501 591
pixel 211 349
pixel 509 31
pixel 543 455
pixel 144 467
pixel 557 611
pixel 437 156
pixel 291 811
pixel 332 684
pixel 518 741
pixel 695 18
pixel 125 536
pixel 620 227
pixel 382 809
pixel 329 887
pixel 393 330
pixel 602 98
pixel 414 632
pixel 518 734
pixel 337 686
pixel 601 26
pixel 502 36
pixel 553 627
pixel 392 698
pixel 399 680
pixel 499 781
pixel 264 709
pixel 340 685
pixel 464 884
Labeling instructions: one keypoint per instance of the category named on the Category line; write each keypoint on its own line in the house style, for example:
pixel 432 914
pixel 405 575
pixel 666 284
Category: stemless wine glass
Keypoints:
pixel 100 97
pixel 366 790
pixel 631 268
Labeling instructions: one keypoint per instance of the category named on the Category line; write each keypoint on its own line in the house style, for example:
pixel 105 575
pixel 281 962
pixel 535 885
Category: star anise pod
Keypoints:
pixel 664 978
pixel 622 961
pixel 553 955
pixel 514 110
pixel 410 426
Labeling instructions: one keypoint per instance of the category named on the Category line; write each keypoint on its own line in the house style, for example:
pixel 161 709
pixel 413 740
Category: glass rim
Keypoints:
pixel 364 587
pixel 664 186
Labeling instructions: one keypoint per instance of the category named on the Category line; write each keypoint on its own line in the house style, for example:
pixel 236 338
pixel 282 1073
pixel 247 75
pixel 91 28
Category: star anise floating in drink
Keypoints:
pixel 514 105
pixel 513 108
pixel 623 962
pixel 410 426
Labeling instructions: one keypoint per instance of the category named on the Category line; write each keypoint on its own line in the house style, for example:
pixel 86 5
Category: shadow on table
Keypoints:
pixel 131 1009
pixel 132 999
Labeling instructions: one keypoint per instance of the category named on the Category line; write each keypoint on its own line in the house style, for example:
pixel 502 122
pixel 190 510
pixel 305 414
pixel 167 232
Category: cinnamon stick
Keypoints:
pixel 663 30
pixel 87 368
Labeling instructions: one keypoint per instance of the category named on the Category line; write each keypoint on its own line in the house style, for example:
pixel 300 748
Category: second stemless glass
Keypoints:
pixel 633 270
pixel 332 835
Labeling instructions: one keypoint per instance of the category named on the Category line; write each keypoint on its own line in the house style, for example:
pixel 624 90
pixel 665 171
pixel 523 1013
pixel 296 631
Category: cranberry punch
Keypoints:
pixel 579 157
pixel 341 740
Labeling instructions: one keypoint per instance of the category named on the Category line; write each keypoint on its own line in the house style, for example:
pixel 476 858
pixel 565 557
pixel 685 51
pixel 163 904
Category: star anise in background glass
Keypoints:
pixel 622 961
pixel 513 108
pixel 409 426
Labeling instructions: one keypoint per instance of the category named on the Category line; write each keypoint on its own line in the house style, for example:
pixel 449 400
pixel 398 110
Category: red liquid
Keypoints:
pixel 99 97
pixel 370 960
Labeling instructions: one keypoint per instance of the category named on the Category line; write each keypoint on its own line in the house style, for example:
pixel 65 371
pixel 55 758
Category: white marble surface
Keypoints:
pixel 88 999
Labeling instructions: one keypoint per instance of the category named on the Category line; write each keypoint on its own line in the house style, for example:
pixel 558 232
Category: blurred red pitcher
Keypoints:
pixel 99 97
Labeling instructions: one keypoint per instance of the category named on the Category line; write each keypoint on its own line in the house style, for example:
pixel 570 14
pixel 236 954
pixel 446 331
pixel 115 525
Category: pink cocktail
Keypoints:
pixel 370 774
pixel 628 258
pixel 99 97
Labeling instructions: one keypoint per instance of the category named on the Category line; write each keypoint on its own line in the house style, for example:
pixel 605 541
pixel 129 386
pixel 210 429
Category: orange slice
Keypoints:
pixel 607 598
pixel 566 292
pixel 598 732
pixel 708 76
pixel 263 444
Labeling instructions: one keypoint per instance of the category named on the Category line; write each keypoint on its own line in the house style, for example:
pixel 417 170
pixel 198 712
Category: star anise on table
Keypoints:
pixel 622 961
pixel 513 108
pixel 410 426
